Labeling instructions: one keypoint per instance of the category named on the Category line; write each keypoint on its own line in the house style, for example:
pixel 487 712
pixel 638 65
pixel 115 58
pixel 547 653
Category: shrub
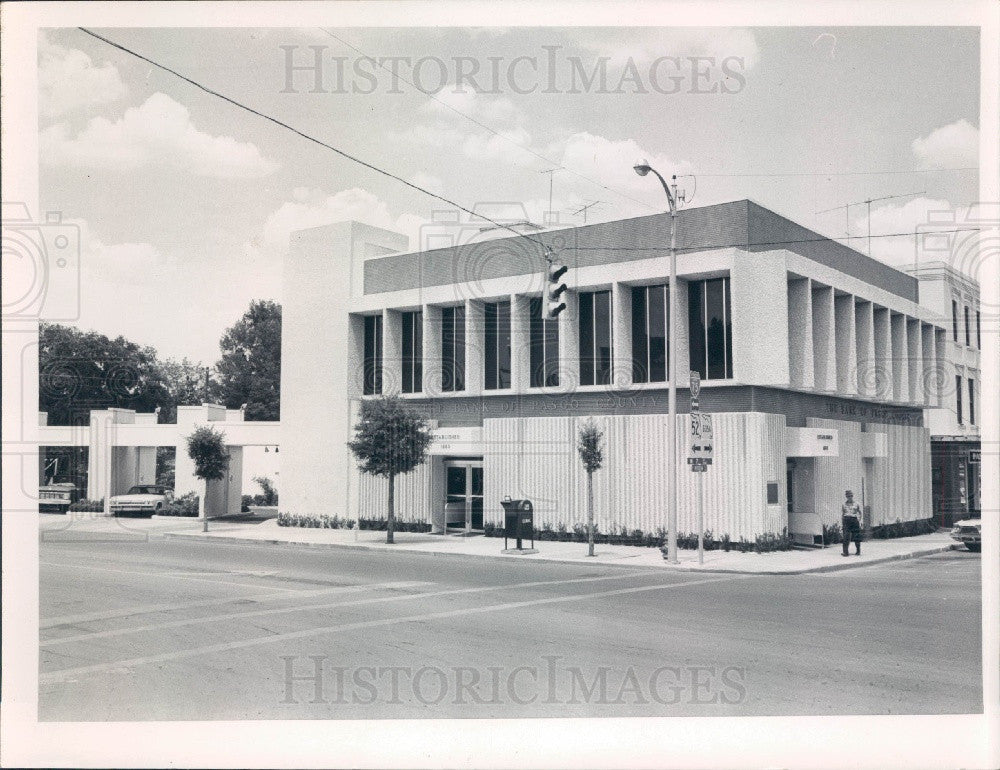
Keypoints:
pixel 88 506
pixel 831 534
pixel 904 529
pixel 245 502
pixel 185 505
pixel 325 521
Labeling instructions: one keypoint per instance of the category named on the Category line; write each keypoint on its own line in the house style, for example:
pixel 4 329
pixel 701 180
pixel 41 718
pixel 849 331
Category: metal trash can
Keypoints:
pixel 519 521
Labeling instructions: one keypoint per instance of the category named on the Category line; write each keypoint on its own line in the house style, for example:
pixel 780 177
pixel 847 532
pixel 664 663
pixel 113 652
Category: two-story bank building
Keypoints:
pixel 816 363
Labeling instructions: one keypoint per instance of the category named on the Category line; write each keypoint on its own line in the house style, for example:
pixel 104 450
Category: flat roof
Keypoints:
pixel 743 225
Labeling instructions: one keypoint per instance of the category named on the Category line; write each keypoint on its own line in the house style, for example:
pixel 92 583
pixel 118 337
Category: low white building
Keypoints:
pixel 813 359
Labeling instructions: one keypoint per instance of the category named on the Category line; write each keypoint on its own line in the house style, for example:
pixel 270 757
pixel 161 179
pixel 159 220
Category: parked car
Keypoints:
pixel 968 531
pixel 142 499
pixel 57 497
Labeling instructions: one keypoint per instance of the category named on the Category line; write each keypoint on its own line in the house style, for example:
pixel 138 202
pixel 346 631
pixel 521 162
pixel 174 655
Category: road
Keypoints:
pixel 143 627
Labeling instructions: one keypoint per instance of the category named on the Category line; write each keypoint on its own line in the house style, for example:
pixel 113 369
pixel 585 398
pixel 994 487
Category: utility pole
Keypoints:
pixel 205 397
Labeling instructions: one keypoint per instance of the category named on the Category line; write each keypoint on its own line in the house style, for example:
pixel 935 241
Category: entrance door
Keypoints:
pixel 463 504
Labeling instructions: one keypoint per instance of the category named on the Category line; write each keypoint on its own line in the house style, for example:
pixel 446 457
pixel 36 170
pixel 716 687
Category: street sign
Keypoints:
pixel 699 467
pixel 695 385
pixel 702 442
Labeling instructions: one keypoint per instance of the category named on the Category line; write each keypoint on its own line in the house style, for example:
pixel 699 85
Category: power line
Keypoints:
pixel 304 135
pixel 486 127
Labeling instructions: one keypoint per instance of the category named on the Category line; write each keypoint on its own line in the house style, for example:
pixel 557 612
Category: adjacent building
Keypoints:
pixel 814 361
pixel 954 425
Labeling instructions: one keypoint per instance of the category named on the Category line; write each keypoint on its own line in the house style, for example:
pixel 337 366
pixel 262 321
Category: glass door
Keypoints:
pixel 463 504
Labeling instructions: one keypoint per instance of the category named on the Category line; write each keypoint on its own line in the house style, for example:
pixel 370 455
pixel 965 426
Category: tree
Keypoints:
pixel 207 447
pixel 249 371
pixel 592 456
pixel 389 440
pixel 270 496
pixel 79 371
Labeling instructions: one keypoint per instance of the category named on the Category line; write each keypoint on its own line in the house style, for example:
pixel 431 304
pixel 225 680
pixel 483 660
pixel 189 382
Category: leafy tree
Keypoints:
pixel 80 371
pixel 592 456
pixel 207 447
pixel 249 371
pixel 389 440
pixel 185 382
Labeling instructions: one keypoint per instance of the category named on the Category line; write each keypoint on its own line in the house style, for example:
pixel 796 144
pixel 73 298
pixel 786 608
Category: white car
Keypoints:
pixel 143 498
pixel 968 531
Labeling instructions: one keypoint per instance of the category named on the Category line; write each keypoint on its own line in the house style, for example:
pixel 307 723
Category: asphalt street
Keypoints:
pixel 143 627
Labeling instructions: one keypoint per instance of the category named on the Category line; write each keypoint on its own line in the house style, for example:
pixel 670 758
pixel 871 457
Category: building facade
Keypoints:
pixel 954 425
pixel 813 359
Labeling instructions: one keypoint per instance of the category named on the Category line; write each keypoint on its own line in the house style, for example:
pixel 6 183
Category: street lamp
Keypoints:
pixel 642 168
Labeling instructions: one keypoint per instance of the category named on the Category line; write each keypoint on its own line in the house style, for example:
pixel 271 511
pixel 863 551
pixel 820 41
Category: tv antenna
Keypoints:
pixel 583 210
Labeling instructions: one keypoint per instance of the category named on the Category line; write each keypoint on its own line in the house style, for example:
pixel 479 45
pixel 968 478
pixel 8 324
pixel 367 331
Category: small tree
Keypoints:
pixel 389 440
pixel 206 446
pixel 270 496
pixel 592 456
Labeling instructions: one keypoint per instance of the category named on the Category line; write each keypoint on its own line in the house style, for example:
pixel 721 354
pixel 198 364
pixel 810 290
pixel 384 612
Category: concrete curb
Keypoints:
pixel 849 564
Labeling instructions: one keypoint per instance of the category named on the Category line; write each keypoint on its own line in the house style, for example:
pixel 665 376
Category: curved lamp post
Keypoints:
pixel 642 168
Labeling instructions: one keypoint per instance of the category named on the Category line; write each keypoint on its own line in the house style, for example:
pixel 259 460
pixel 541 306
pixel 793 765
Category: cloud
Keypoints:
pixel 610 162
pixel 159 133
pixel 313 208
pixel 644 45
pixel 953 146
pixel 446 124
pixel 69 80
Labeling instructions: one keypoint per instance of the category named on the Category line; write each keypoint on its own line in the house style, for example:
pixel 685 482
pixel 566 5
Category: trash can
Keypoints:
pixel 519 521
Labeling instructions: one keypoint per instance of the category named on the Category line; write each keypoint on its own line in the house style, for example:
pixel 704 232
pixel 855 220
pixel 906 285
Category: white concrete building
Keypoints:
pixel 813 359
pixel 953 298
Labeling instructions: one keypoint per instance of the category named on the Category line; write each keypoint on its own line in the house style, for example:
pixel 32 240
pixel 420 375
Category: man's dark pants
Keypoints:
pixel 851 528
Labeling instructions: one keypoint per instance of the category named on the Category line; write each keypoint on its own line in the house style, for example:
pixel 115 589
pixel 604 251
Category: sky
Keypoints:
pixel 185 202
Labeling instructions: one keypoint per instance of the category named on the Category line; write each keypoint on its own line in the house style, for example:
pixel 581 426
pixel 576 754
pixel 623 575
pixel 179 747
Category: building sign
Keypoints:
pixel 456 441
pixel 974 455
pixel 812 442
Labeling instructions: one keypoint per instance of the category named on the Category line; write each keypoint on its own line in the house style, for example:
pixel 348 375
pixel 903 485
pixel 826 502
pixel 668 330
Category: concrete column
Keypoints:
pixel 146 465
pixel 621 333
pixel 683 335
pixel 846 344
pixel 520 338
pixel 475 342
pixel 823 339
pixel 355 344
pixel 392 352
pixel 930 377
pixel 940 351
pixel 800 333
pixel 864 332
pixel 883 354
pixel 758 312
pixel 432 350
pixel 900 353
pixel 913 356
pixel 569 342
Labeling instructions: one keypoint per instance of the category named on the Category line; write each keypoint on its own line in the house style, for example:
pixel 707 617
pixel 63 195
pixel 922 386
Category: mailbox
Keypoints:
pixel 519 521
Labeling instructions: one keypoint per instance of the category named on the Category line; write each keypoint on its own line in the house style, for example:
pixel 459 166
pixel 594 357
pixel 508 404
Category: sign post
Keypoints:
pixel 700 455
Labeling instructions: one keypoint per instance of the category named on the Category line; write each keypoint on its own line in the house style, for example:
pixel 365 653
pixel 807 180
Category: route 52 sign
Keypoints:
pixel 702 441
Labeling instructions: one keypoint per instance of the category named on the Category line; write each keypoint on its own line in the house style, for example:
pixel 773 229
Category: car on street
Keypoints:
pixel 57 497
pixel 969 532
pixel 142 499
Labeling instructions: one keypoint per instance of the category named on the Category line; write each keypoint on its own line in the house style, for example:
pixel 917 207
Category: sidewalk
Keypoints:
pixel 775 563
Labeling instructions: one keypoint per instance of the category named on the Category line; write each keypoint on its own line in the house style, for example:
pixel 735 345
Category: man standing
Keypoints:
pixel 850 522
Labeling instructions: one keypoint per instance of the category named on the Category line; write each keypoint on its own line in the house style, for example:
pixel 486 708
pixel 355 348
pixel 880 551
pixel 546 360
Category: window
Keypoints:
pixel 544 348
pixel 958 398
pixel 979 339
pixel 372 373
pixel 954 320
pixel 710 330
pixel 497 342
pixel 972 401
pixel 413 354
pixel 595 338
pixel 968 329
pixel 452 349
pixel 649 333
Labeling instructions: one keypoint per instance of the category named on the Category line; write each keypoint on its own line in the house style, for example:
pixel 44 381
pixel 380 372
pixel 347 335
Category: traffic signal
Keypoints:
pixel 554 290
